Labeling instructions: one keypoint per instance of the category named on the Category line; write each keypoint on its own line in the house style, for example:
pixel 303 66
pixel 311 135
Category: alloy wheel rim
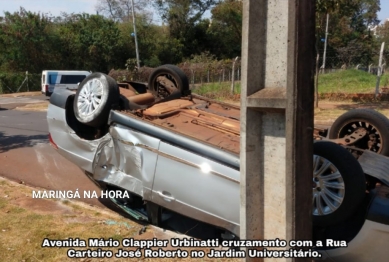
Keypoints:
pixel 328 187
pixel 90 97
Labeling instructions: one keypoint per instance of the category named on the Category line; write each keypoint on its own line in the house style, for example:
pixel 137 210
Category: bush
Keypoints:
pixel 17 82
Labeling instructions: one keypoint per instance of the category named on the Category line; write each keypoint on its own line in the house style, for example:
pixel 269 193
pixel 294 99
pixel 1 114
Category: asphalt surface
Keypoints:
pixel 27 157
pixel 23 123
pixel 13 102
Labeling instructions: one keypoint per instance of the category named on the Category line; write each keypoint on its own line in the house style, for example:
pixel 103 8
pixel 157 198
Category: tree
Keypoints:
pixel 225 30
pixel 349 29
pixel 382 33
pixel 27 41
pixel 183 17
pixel 120 10
pixel 230 14
pixel 91 41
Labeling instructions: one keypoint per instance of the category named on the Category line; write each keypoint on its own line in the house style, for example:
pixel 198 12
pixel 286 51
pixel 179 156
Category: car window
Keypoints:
pixel 43 79
pixel 72 79
pixel 53 79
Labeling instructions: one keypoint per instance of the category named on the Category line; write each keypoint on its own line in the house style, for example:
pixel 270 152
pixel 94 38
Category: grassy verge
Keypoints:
pixel 219 91
pixel 347 81
pixel 350 81
pixel 326 114
pixel 25 222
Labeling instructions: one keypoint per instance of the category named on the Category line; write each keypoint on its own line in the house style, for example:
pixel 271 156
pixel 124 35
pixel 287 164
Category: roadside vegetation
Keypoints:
pixel 26 222
pixel 350 81
pixel 104 41
pixel 218 91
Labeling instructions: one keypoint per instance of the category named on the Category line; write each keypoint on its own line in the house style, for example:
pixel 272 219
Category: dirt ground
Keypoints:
pixel 34 107
pixel 325 114
pixel 328 111
pixel 21 94
pixel 26 221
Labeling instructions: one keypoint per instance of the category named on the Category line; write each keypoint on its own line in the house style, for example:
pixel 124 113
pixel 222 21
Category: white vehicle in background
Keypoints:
pixel 61 79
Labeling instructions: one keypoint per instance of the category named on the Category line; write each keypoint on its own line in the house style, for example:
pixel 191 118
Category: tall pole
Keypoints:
pixel 325 44
pixel 233 75
pixel 379 72
pixel 276 121
pixel 135 35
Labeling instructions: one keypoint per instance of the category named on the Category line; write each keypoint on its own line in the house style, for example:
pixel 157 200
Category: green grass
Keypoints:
pixel 350 81
pixel 218 91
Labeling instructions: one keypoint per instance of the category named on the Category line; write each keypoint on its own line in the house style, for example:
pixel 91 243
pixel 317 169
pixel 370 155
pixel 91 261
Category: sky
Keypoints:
pixel 55 7
pixel 384 13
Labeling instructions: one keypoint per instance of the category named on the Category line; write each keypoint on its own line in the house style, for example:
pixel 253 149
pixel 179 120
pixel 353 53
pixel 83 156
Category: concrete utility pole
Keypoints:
pixel 276 149
pixel 135 35
pixel 233 76
pixel 379 72
pixel 325 45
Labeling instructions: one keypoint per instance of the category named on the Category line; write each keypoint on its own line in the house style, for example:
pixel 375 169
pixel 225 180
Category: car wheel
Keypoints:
pixel 338 184
pixel 166 79
pixel 376 125
pixel 95 97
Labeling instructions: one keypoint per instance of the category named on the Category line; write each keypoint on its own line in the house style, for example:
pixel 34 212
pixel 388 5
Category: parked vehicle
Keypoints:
pixel 52 79
pixel 171 150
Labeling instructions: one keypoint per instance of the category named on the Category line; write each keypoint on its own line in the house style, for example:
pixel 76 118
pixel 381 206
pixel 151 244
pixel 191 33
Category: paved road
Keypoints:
pixel 13 102
pixel 26 155
pixel 21 100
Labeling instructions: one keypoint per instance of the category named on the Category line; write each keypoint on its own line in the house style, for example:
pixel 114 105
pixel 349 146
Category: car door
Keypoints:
pixel 127 161
pixel 196 186
pixel 52 81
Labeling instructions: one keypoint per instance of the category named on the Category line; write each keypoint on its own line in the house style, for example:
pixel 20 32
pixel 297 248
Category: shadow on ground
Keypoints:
pixel 378 105
pixel 17 141
pixel 174 222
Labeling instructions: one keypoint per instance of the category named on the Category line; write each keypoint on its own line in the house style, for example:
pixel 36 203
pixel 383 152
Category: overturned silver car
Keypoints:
pixel 173 150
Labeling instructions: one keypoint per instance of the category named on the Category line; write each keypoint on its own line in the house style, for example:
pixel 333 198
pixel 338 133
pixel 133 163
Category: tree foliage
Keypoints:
pixel 23 36
pixel 91 41
pixel 382 32
pixel 184 21
pixel 191 29
pixel 225 31
pixel 120 10
pixel 349 37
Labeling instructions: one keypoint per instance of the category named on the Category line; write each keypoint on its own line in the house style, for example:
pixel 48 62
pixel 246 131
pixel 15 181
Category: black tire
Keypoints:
pixel 349 187
pixel 98 115
pixel 172 73
pixel 374 122
pixel 182 75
